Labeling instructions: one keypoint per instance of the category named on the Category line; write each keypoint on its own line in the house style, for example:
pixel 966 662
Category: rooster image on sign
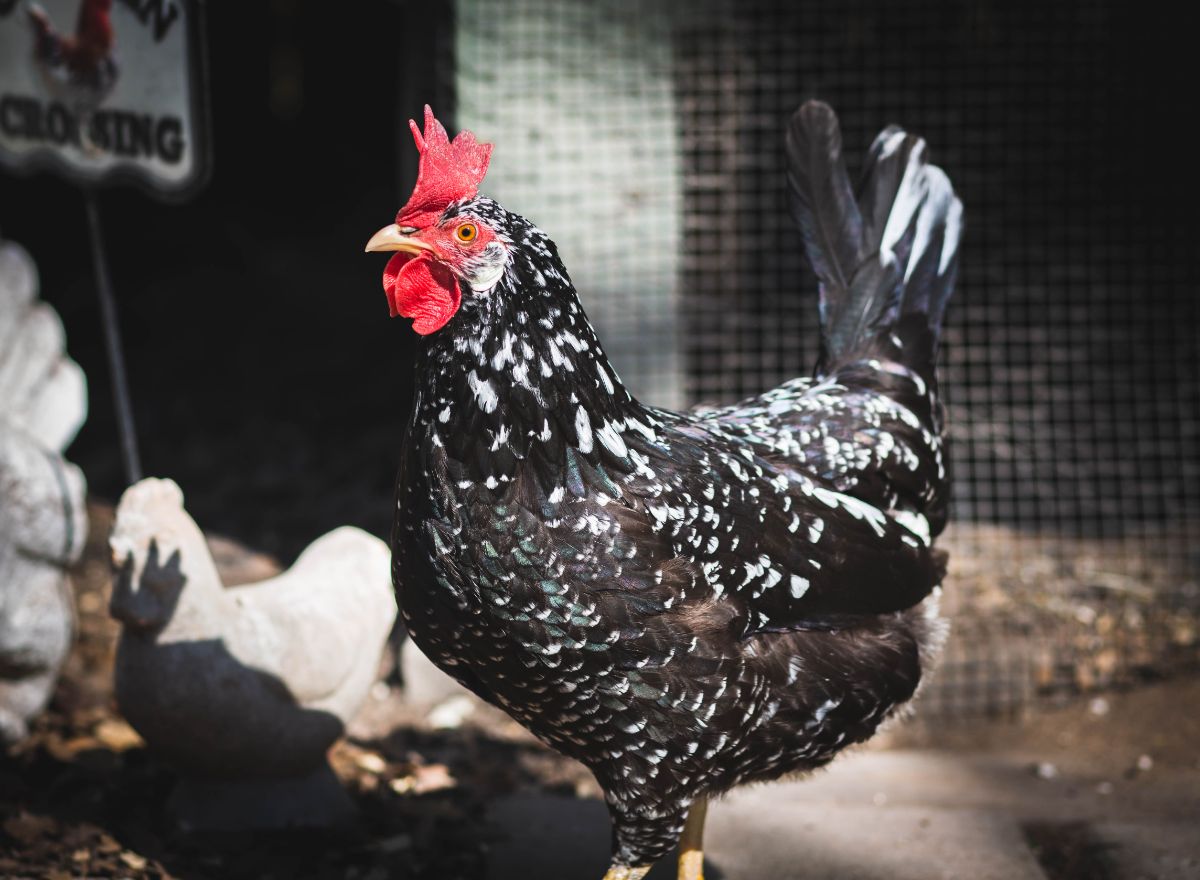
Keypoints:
pixel 104 91
pixel 685 602
pixel 78 68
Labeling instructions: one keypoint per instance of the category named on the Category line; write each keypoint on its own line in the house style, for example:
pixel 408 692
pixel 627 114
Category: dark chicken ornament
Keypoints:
pixel 684 602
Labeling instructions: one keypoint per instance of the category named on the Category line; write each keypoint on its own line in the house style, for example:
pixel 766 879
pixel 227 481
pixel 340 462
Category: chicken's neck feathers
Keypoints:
pixel 517 365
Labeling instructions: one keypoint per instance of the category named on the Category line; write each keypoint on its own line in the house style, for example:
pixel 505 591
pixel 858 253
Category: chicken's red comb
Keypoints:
pixel 449 171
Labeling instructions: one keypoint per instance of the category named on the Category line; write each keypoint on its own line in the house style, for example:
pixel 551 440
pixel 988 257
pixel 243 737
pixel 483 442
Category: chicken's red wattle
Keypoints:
pixel 422 289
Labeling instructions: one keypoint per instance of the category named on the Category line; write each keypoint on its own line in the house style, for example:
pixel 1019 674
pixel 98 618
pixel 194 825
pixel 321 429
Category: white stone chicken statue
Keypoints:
pixel 43 524
pixel 244 689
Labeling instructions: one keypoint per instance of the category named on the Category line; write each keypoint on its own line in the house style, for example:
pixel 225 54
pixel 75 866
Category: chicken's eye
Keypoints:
pixel 467 232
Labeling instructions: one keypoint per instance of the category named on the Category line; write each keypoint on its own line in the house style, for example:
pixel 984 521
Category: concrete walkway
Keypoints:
pixel 900 815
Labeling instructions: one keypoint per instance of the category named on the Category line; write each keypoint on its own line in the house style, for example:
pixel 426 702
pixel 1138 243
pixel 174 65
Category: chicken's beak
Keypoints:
pixel 391 238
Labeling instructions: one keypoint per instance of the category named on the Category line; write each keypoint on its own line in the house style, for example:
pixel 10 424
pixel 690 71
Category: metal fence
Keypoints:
pixel 1070 365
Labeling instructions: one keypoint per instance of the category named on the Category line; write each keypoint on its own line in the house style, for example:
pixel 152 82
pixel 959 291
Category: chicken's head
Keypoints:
pixel 443 237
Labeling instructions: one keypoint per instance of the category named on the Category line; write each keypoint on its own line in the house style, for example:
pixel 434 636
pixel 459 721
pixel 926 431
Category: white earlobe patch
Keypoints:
pixel 489 279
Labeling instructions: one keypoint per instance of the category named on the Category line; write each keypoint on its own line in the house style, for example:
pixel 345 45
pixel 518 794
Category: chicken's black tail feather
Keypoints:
pixel 886 255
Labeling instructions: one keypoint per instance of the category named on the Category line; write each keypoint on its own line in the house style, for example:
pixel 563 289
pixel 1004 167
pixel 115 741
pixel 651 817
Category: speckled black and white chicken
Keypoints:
pixel 684 602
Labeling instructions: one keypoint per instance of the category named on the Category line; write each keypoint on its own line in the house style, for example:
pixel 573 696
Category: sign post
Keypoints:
pixel 106 92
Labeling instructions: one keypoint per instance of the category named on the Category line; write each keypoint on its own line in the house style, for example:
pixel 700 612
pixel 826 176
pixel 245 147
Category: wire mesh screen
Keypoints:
pixel 1069 363
pixel 585 110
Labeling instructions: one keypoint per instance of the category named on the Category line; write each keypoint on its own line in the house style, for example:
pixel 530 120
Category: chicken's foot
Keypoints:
pixel 691 843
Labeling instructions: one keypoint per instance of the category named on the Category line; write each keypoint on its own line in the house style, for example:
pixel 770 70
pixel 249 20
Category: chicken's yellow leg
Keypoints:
pixel 691 843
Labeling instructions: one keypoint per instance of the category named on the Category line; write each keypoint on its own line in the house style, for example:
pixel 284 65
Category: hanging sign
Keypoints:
pixel 102 91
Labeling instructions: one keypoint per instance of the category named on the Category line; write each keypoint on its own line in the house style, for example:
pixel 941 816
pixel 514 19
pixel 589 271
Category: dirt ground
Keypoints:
pixel 82 797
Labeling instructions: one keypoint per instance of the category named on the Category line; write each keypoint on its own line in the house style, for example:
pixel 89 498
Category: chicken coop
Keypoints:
pixel 649 139
pixel 263 377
